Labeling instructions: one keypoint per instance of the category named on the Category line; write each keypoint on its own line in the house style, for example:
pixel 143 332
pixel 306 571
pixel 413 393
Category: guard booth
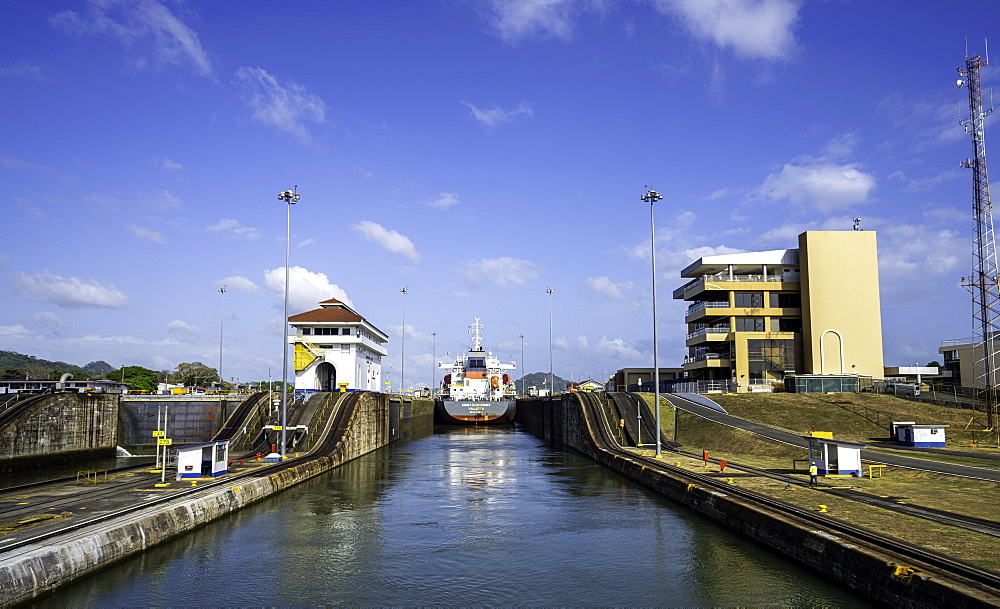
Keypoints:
pixel 911 434
pixel 208 460
pixel 835 457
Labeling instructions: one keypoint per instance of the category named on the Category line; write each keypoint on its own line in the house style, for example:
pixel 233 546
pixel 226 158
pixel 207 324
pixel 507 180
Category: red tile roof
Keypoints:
pixel 327 314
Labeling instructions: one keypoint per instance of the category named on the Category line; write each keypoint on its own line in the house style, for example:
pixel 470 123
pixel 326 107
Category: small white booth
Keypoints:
pixel 911 434
pixel 209 460
pixel 835 457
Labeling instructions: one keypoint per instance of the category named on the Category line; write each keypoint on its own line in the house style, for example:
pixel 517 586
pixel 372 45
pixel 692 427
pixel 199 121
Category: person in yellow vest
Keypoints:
pixel 813 472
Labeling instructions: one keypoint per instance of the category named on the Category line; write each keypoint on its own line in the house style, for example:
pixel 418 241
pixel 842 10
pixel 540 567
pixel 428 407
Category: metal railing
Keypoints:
pixel 707 304
pixel 712 330
pixel 704 387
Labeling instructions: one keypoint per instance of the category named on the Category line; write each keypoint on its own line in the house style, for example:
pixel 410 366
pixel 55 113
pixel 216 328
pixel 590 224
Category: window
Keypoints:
pixel 781 324
pixel 345 348
pixel 769 359
pixel 750 324
pixel 307 331
pixel 782 300
pixel 346 331
pixel 749 300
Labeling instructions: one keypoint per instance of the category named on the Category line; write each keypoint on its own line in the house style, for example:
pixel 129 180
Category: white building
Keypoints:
pixel 335 347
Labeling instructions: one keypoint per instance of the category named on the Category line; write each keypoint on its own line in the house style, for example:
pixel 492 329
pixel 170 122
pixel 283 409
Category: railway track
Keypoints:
pixel 605 437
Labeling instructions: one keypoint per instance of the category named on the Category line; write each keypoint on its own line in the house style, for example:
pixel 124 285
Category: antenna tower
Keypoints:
pixel 983 284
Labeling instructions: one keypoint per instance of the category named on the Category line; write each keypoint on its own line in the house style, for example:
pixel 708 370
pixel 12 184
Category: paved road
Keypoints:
pixel 778 435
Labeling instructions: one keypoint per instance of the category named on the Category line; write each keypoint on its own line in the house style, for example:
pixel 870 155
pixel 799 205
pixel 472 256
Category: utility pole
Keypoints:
pixel 983 283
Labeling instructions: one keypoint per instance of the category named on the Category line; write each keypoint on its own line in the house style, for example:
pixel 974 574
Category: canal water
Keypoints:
pixel 467 516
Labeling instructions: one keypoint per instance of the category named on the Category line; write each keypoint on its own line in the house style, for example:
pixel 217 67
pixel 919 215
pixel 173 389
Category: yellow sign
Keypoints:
pixel 158 434
pixel 277 428
pixel 164 441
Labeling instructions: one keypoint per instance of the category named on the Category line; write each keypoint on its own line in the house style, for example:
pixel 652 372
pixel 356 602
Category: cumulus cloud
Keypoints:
pixel 183 329
pixel 238 283
pixel 69 292
pixel 146 27
pixel 389 240
pixel 503 272
pixel 235 229
pixel 286 106
pixel 305 288
pixel 444 200
pixel 604 287
pixel 48 323
pixel 15 330
pixel 754 29
pixel 491 117
pixel 146 234
pixel 822 185
pixel 518 19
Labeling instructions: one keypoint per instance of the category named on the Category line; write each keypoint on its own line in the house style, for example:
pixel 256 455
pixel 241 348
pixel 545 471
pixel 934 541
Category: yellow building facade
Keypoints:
pixel 754 317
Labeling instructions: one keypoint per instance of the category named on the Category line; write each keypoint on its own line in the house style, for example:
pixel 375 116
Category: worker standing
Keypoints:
pixel 813 472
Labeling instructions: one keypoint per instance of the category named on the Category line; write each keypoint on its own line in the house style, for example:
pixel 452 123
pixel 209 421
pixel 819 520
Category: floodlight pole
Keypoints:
pixel 290 197
pixel 402 346
pixel 222 323
pixel 652 197
pixel 552 382
pixel 522 364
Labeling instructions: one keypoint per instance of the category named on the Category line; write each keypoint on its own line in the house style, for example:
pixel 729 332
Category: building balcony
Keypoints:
pixel 706 360
pixel 736 282
pixel 705 335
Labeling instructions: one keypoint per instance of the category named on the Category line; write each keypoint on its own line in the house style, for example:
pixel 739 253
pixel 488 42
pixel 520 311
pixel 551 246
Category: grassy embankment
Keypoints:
pixel 857 418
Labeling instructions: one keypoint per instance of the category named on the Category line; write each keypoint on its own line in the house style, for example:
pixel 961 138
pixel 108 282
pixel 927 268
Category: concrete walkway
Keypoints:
pixel 778 435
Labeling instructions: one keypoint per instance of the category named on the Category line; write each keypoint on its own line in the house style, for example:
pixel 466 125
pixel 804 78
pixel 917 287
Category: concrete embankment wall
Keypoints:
pixel 868 571
pixel 61 428
pixel 40 569
pixel 189 420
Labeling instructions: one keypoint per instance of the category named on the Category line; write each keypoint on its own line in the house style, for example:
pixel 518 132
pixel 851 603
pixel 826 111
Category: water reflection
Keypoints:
pixel 464 517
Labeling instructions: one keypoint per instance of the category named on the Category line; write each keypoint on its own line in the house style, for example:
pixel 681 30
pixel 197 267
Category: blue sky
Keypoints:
pixel 477 152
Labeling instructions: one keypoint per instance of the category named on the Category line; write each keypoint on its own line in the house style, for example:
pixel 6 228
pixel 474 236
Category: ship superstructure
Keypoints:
pixel 476 388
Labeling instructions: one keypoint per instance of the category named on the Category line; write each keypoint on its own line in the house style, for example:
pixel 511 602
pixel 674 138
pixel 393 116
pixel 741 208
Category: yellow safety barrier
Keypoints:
pixel 873 467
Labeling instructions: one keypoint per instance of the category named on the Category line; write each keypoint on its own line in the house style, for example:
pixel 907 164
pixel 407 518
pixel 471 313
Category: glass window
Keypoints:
pixel 307 330
pixel 769 359
pixel 346 331
pixel 782 300
pixel 754 300
pixel 750 324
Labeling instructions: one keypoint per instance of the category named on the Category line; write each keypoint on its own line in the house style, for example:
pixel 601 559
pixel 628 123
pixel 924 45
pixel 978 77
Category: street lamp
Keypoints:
pixel 434 339
pixel 402 346
pixel 652 197
pixel 552 383
pixel 222 323
pixel 522 365
pixel 290 197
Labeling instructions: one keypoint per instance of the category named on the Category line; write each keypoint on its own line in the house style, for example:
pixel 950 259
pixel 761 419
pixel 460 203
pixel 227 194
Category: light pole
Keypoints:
pixel 434 339
pixel 552 383
pixel 522 365
pixel 402 346
pixel 290 197
pixel 222 323
pixel 652 197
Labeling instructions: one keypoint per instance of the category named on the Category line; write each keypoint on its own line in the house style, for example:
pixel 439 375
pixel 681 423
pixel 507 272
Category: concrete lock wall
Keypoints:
pixel 188 421
pixel 61 428
pixel 866 570
pixel 39 569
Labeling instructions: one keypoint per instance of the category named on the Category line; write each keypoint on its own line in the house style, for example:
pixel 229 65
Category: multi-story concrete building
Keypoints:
pixel 334 347
pixel 756 316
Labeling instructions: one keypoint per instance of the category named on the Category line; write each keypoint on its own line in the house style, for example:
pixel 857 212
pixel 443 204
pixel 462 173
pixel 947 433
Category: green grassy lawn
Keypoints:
pixel 855 418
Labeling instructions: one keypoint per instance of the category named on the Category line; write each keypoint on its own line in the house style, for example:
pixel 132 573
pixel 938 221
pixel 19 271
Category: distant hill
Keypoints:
pixel 541 381
pixel 17 365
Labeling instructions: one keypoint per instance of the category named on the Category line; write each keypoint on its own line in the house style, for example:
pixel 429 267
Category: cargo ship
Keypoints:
pixel 476 390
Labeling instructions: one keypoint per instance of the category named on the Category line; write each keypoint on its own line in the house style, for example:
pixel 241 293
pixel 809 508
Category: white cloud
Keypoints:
pixel 235 228
pixel 305 288
pixel 822 185
pixel 69 292
pixel 168 164
pixel 183 328
pixel 146 234
pixel 603 286
pixel 21 69
pixel 517 19
pixel 164 199
pixel 28 208
pixel 755 29
pixel 165 39
pixel 491 117
pixel 504 272
pixel 15 330
pixel 307 242
pixel 238 283
pixel 285 106
pixel 445 200
pixel 389 240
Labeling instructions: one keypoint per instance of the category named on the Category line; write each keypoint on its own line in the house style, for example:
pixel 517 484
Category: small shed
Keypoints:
pixel 835 457
pixel 911 434
pixel 209 459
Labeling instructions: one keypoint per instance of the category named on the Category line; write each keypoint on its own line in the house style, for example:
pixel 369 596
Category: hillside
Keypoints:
pixel 541 381
pixel 18 365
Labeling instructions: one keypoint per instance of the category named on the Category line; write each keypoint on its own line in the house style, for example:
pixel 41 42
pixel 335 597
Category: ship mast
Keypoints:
pixel 983 284
pixel 476 329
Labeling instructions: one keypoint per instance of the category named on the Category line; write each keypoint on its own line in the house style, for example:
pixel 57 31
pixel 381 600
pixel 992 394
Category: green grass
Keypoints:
pixel 855 418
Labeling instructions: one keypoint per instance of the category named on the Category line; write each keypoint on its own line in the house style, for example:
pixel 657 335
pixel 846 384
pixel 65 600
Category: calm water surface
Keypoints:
pixel 463 517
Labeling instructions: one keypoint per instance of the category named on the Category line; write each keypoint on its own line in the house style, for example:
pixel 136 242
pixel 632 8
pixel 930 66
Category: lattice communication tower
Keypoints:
pixel 983 283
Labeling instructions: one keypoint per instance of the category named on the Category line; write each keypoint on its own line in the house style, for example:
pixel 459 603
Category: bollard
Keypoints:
pixel 730 481
pixel 822 508
pixel 194 483
pixel 677 463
